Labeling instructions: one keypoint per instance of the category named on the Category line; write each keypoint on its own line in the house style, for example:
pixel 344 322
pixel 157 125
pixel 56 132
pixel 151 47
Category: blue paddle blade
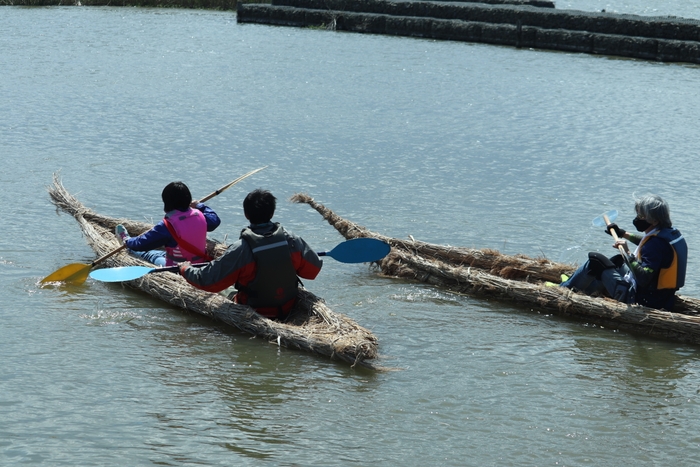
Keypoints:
pixel 600 221
pixel 122 274
pixel 359 250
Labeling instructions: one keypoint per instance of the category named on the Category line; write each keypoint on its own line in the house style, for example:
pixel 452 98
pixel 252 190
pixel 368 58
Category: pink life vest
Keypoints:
pixel 189 230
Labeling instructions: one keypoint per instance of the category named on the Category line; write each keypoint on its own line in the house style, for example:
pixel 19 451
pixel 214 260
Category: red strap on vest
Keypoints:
pixel 182 243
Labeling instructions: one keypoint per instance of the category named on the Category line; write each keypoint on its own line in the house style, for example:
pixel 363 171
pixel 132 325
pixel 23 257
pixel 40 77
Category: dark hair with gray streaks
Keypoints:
pixel 654 209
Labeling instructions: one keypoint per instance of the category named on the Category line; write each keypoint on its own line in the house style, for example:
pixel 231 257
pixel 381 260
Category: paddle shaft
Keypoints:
pixel 622 250
pixel 175 268
pixel 229 185
pixel 614 235
pixel 108 255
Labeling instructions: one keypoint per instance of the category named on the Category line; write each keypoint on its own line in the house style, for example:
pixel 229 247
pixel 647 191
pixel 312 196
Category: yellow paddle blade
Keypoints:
pixel 75 273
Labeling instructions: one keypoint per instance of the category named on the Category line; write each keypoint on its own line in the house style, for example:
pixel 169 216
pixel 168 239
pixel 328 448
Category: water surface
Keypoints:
pixel 455 143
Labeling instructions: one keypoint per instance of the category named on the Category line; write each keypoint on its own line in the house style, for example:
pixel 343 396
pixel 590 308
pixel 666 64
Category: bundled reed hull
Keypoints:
pixel 519 279
pixel 312 326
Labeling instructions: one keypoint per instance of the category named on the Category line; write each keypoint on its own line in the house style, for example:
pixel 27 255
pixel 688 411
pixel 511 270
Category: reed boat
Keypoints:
pixel 518 279
pixel 312 326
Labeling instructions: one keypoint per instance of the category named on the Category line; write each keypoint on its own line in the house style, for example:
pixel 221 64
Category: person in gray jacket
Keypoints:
pixel 264 265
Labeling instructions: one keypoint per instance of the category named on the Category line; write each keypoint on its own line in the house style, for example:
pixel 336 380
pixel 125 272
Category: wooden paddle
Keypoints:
pixel 619 247
pixel 614 236
pixel 229 185
pixel 357 250
pixel 77 273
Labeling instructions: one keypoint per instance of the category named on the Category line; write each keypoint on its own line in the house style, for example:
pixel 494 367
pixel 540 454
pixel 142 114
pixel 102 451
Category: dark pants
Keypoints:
pixel 611 282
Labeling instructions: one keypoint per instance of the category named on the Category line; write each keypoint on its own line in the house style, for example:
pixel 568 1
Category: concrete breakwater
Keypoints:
pixel 213 4
pixel 667 39
pixel 193 4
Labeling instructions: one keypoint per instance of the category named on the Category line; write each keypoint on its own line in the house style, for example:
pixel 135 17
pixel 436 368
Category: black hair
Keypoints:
pixel 176 195
pixel 259 206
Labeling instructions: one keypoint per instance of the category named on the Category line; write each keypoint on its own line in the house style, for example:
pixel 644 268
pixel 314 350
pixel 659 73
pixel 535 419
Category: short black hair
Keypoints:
pixel 176 195
pixel 259 206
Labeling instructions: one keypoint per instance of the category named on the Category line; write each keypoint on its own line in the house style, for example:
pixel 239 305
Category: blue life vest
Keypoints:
pixel 672 277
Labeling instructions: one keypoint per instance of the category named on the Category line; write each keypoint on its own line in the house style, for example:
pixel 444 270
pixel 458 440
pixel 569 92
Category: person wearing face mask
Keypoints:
pixel 652 273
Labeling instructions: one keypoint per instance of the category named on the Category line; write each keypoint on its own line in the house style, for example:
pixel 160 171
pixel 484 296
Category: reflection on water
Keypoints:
pixel 260 399
pixel 640 369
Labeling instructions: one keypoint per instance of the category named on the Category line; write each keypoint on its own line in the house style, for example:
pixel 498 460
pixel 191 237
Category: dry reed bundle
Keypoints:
pixel 517 279
pixel 600 310
pixel 513 267
pixel 312 326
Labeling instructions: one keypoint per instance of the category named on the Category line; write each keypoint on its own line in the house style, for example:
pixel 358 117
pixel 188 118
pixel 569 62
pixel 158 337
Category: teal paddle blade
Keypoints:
pixel 122 274
pixel 359 250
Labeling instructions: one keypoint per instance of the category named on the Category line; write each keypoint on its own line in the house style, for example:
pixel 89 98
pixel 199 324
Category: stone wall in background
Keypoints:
pixel 667 39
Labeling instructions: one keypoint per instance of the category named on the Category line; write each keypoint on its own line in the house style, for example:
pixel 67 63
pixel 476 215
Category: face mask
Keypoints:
pixel 641 224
